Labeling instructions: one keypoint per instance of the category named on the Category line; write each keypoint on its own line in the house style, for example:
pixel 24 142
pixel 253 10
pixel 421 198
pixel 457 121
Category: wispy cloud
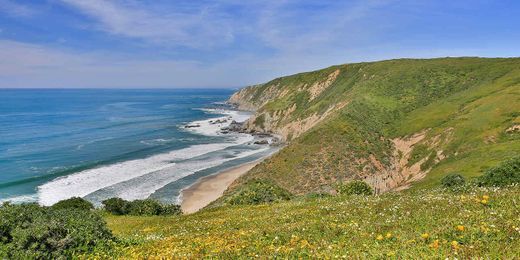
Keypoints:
pixel 16 9
pixel 197 28
pixel 206 43
pixel 32 65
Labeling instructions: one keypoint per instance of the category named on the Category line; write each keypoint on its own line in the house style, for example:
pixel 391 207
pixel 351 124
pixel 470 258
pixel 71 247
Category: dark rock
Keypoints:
pixel 261 142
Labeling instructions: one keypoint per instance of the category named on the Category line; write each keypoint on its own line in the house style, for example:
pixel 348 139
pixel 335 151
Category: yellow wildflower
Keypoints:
pixel 435 244
pixel 460 228
pixel 486 197
pixel 379 237
pixel 425 236
pixel 484 202
pixel 455 244
pixel 388 235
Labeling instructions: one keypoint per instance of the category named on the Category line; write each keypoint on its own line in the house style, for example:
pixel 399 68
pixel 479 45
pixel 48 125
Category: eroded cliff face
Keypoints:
pixel 243 99
pixel 282 120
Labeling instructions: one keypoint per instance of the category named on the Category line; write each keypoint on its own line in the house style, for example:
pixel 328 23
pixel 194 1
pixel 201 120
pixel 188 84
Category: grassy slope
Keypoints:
pixel 337 226
pixel 466 102
pixel 477 98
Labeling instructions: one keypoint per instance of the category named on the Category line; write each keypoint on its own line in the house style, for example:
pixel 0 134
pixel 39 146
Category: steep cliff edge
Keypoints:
pixel 391 123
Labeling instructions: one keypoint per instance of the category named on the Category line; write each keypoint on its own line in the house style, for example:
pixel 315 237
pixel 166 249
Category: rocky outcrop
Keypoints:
pixel 282 120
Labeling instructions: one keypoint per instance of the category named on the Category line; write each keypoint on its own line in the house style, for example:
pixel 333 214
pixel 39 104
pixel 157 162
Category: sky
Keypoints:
pixel 234 43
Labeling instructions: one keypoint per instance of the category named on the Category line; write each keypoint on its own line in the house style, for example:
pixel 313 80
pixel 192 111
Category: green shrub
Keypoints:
pixel 29 231
pixel 74 203
pixel 171 210
pixel 506 173
pixel 147 207
pixel 354 188
pixel 257 192
pixel 116 206
pixel 453 180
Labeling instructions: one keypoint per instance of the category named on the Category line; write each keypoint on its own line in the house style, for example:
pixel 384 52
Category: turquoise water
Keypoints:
pixel 97 144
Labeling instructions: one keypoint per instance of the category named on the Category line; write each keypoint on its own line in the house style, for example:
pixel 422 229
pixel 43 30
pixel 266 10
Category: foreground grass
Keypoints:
pixel 431 224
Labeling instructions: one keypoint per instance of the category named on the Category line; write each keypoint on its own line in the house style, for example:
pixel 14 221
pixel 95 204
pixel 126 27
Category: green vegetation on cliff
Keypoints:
pixel 391 123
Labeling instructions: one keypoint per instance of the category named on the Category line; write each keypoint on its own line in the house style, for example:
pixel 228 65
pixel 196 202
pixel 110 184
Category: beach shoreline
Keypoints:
pixel 212 187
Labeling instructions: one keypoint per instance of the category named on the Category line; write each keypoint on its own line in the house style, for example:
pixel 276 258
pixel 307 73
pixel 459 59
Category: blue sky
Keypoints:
pixel 233 43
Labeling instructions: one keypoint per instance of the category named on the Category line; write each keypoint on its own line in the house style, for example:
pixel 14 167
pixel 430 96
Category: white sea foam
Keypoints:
pixel 205 127
pixel 85 182
pixel 157 141
pixel 139 178
pixel 143 186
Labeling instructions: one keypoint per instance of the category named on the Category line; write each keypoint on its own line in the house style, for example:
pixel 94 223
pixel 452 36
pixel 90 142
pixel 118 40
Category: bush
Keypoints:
pixel 257 192
pixel 74 203
pixel 506 173
pixel 354 188
pixel 453 180
pixel 147 207
pixel 116 206
pixel 29 231
pixel 171 210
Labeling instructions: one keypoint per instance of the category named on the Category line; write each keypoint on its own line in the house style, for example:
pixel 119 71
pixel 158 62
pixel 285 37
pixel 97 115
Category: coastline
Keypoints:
pixel 210 188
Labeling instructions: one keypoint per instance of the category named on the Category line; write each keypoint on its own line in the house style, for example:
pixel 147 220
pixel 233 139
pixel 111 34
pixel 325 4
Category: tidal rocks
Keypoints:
pixel 192 126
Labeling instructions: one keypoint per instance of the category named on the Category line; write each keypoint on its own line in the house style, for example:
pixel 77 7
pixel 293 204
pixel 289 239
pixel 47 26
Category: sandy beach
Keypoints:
pixel 210 188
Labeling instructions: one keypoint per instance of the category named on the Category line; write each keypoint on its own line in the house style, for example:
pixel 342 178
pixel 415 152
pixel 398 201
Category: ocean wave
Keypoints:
pixel 157 141
pixel 88 181
pixel 143 186
pixel 81 146
pixel 21 199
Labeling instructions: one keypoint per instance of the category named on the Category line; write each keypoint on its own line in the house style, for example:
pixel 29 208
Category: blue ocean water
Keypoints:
pixel 100 143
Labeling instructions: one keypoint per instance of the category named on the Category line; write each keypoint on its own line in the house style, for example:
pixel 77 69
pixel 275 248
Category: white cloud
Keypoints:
pixel 16 9
pixel 265 40
pixel 200 28
pixel 30 65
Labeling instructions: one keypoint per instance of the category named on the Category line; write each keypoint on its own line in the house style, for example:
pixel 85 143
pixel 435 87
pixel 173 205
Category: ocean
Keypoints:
pixel 103 143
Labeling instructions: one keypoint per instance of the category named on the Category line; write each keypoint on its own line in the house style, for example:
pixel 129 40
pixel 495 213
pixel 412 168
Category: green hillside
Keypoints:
pixel 391 123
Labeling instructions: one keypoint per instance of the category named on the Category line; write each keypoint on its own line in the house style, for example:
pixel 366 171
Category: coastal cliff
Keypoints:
pixel 390 123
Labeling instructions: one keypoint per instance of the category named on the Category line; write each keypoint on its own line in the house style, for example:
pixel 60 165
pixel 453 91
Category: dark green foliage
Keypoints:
pixel 354 188
pixel 259 121
pixel 419 152
pixel 170 209
pixel 453 180
pixel 29 231
pixel 507 173
pixel 429 162
pixel 258 192
pixel 147 207
pixel 74 203
pixel 116 206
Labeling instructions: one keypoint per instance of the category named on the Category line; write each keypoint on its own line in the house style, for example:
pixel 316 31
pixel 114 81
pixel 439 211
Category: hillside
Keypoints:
pixel 391 123
pixel 433 224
